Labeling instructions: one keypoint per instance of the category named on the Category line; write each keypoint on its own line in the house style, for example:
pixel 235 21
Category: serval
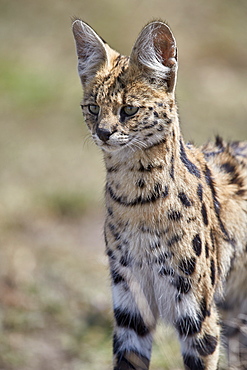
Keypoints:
pixel 176 215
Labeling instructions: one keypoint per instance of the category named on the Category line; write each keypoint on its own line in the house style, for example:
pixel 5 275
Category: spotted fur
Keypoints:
pixel 176 222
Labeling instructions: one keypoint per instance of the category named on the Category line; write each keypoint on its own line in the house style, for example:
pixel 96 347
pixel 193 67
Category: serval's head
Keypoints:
pixel 128 101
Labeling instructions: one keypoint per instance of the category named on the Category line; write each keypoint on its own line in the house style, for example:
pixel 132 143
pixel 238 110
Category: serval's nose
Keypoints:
pixel 103 134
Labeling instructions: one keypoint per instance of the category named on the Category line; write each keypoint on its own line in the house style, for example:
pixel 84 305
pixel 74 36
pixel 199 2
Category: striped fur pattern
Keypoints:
pixel 176 215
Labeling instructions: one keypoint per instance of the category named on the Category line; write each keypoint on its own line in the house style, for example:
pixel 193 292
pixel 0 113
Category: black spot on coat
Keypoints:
pixel 206 250
pixel 188 326
pixel 152 197
pixel 228 167
pixel 187 266
pixel 204 311
pixel 204 214
pixel 166 271
pixel 200 192
pixel 116 277
pixel 184 199
pixel 182 284
pixel 140 183
pixel 206 345
pixel 193 363
pixel 191 167
pixel 212 270
pixel 125 260
pixel 197 244
pixel 174 215
pixel 129 320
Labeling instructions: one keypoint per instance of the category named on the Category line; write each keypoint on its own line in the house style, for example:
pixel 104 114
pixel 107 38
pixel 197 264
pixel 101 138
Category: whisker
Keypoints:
pixel 139 144
pixel 87 140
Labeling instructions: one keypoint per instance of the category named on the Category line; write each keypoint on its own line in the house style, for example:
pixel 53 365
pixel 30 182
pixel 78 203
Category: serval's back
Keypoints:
pixel 176 220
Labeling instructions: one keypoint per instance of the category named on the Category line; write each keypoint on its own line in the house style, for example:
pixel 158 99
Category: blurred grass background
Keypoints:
pixel 55 307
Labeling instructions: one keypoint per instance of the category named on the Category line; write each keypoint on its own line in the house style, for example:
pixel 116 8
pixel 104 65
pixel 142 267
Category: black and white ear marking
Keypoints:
pixel 155 53
pixel 91 50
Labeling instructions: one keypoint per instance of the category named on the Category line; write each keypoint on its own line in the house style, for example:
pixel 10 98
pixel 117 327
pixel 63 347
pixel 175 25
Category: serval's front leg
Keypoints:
pixel 131 348
pixel 135 319
pixel 199 338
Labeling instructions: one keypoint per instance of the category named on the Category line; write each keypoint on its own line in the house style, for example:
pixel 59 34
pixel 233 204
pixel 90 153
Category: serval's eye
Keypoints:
pixel 129 110
pixel 94 109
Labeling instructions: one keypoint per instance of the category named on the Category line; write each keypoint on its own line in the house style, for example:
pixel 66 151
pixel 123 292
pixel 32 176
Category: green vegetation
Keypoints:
pixel 55 305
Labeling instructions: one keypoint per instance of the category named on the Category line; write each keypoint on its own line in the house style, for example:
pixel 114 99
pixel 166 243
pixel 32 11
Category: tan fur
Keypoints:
pixel 176 214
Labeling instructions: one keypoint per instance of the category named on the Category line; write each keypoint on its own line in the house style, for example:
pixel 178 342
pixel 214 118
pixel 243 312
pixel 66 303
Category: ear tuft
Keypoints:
pixel 91 50
pixel 155 53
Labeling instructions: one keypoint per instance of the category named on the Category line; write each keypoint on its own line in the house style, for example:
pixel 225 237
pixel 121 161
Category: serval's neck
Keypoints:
pixel 161 156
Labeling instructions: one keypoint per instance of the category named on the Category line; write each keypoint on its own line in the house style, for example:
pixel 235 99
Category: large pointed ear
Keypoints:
pixel 155 53
pixel 91 50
